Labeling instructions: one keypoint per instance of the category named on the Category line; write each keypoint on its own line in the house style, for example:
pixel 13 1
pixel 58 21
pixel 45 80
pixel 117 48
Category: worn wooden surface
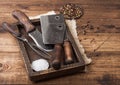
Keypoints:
pixel 101 41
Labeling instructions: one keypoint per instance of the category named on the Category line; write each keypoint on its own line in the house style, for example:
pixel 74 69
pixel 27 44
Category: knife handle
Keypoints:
pixel 8 28
pixel 56 63
pixel 68 52
pixel 24 20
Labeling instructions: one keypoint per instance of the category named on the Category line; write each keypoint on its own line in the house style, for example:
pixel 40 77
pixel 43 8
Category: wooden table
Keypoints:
pixel 99 32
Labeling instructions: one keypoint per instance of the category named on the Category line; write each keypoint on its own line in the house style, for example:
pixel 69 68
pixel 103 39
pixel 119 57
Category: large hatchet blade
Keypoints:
pixel 31 30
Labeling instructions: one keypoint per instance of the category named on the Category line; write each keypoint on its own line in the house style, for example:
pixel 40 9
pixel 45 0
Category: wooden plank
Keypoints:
pixel 8 43
pixel 103 42
pixel 96 9
pixel 66 1
pixel 38 7
pixel 110 11
pixel 12 69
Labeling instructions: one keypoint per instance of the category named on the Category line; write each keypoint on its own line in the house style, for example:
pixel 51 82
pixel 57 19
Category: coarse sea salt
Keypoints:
pixel 40 65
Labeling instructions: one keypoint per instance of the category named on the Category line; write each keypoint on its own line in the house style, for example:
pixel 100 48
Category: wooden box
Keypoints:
pixel 77 66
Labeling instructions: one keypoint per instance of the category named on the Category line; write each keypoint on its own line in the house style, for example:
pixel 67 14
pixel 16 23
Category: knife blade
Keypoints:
pixel 31 30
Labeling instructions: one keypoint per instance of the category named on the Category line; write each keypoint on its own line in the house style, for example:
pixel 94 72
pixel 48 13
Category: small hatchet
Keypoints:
pixel 53 29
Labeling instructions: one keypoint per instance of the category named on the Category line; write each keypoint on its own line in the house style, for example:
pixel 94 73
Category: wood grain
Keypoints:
pixel 102 43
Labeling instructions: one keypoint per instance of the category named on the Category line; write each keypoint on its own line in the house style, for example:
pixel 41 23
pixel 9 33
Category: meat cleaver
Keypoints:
pixel 53 29
pixel 31 30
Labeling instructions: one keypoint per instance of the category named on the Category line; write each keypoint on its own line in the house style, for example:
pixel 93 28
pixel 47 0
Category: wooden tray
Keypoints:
pixel 77 66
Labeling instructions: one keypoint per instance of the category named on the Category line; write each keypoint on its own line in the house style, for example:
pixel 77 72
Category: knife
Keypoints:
pixel 31 30
pixel 71 24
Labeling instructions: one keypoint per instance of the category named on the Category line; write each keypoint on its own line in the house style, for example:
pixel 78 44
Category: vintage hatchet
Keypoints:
pixel 54 32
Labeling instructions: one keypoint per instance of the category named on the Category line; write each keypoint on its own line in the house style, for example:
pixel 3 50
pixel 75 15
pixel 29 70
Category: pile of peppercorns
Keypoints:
pixel 71 11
